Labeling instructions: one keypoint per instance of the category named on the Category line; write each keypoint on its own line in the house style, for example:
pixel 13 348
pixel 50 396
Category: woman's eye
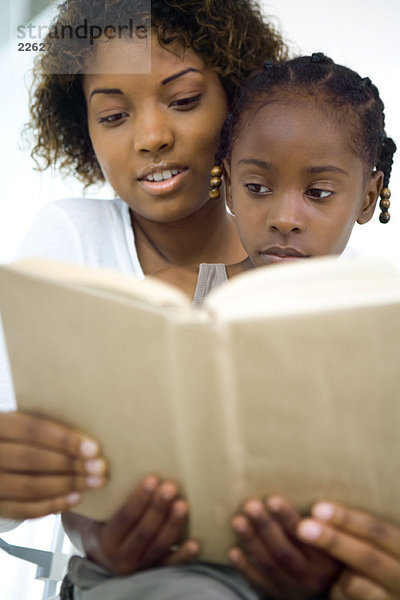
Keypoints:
pixel 318 194
pixel 114 119
pixel 257 188
pixel 186 103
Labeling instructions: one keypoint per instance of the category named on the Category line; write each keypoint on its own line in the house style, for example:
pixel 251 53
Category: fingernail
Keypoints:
pixel 73 498
pixel 309 530
pixel 94 482
pixel 240 525
pixel 192 547
pixel 254 508
pixel 274 504
pixel 95 467
pixel 89 448
pixel 234 555
pixel 323 511
pixel 168 491
pixel 180 509
pixel 150 483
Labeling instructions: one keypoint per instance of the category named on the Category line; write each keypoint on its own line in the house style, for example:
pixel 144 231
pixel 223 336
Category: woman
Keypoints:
pixel 153 137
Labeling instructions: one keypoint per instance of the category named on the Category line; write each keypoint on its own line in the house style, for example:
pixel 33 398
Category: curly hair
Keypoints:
pixel 230 35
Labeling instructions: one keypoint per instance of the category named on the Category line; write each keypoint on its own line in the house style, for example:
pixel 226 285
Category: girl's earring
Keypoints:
pixel 215 182
pixel 384 205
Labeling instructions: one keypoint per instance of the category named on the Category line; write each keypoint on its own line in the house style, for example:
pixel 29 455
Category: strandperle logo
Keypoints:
pixel 67 40
pixel 83 31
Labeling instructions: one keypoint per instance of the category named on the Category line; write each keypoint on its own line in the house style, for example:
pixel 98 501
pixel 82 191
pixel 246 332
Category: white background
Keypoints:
pixel 361 34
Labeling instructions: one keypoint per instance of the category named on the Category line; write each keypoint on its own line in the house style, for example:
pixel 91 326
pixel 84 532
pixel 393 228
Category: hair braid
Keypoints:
pixel 385 159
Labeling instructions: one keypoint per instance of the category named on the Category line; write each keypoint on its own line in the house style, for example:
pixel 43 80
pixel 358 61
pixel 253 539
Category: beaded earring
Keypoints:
pixel 384 205
pixel 215 182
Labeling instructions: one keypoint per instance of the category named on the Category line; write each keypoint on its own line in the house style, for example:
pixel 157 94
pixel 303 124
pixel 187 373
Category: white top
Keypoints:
pixel 86 231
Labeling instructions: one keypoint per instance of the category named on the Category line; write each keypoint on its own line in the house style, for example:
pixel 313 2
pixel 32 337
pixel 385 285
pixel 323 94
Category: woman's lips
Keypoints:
pixel 158 188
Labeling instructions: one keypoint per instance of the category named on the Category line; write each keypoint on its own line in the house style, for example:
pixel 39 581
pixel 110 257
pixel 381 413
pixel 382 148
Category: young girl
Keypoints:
pixel 275 145
pixel 306 156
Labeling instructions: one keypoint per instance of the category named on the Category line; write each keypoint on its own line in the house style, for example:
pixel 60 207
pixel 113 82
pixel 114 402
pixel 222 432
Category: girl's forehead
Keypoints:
pixel 289 119
pixel 302 132
pixel 293 109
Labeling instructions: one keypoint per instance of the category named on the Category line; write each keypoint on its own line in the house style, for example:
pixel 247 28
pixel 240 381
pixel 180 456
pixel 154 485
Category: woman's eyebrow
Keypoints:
pixel 105 91
pixel 176 75
pixel 164 82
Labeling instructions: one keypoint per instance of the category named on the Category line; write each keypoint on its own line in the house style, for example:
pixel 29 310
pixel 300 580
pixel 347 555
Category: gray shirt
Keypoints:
pixel 210 276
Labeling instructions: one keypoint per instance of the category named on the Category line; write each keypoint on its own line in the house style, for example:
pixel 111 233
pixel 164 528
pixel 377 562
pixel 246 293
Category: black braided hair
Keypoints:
pixel 355 100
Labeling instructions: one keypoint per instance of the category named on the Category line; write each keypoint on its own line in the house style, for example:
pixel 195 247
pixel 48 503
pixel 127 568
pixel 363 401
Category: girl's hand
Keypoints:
pixel 141 534
pixel 272 559
pixel 368 547
pixel 44 466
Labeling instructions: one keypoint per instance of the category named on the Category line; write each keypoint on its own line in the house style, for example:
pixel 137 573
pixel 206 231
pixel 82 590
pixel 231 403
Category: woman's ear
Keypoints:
pixel 228 187
pixel 371 195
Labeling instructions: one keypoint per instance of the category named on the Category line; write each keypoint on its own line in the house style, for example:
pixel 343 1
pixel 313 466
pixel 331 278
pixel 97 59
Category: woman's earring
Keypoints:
pixel 216 182
pixel 384 205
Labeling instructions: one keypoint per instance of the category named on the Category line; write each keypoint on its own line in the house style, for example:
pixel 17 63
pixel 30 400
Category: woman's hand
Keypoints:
pixel 141 534
pixel 369 549
pixel 44 466
pixel 271 557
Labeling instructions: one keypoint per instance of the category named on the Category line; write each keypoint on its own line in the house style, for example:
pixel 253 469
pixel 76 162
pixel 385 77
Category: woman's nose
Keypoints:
pixel 286 214
pixel 153 133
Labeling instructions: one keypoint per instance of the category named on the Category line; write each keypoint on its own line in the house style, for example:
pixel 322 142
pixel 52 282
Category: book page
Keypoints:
pixel 317 396
pixel 148 291
pixel 97 364
pixel 316 284
pixel 142 380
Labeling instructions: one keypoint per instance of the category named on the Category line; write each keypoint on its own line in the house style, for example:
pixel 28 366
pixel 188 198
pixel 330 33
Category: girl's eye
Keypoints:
pixel 114 119
pixel 257 188
pixel 318 194
pixel 186 103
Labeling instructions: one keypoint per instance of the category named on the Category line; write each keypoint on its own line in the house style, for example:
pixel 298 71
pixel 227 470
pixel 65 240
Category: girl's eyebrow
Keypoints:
pixel 255 161
pixel 328 168
pixel 318 169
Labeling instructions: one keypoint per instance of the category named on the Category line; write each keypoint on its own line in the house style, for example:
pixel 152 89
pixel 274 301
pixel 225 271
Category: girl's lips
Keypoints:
pixel 158 188
pixel 277 257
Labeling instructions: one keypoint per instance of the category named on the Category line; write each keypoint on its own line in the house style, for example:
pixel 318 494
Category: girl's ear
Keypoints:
pixel 371 195
pixel 228 187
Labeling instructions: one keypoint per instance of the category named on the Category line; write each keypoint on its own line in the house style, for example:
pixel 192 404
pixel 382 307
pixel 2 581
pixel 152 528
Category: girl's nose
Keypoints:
pixel 152 133
pixel 286 215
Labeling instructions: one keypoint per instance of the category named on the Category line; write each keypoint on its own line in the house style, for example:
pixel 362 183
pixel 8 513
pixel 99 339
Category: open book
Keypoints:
pixel 286 380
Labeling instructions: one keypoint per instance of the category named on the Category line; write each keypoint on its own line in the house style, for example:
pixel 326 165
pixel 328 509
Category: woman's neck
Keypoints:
pixel 209 235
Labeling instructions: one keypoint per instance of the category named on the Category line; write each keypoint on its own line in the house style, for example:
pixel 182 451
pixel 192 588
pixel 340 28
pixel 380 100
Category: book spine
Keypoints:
pixel 207 433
